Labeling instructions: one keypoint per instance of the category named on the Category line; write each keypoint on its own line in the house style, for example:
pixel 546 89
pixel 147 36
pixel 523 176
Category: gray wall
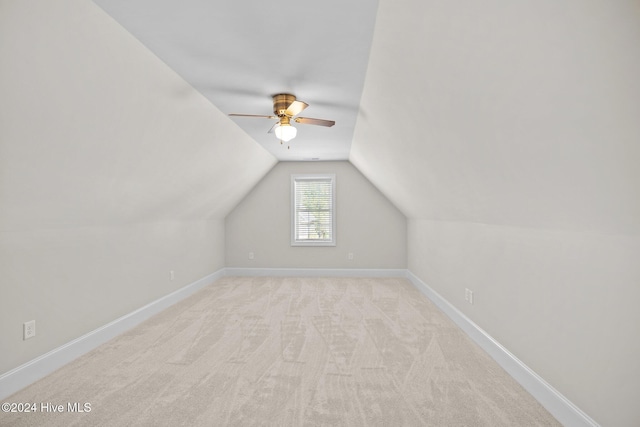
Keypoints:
pixel 113 172
pixel 368 225
pixel 73 280
pixel 515 159
pixel 563 302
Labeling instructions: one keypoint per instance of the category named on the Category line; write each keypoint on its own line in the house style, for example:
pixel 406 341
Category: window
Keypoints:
pixel 313 210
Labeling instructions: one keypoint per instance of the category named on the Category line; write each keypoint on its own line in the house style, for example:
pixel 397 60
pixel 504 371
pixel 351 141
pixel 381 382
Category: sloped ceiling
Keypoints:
pixel 240 53
pixel 520 114
pixel 94 129
pixel 523 114
pixel 517 114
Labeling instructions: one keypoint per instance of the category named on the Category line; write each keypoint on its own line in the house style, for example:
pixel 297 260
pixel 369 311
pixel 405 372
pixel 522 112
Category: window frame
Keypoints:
pixel 294 216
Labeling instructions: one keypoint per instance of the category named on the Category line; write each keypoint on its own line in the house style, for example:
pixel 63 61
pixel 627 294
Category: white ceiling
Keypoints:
pixel 240 53
pixel 515 113
pixel 96 130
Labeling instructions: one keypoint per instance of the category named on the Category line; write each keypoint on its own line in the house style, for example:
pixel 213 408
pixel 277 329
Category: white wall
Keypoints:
pixel 367 224
pixel 514 158
pixel 76 279
pixel 113 171
pixel 562 302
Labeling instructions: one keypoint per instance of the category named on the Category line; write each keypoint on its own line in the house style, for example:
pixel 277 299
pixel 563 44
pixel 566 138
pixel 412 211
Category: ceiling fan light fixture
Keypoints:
pixel 286 108
pixel 285 132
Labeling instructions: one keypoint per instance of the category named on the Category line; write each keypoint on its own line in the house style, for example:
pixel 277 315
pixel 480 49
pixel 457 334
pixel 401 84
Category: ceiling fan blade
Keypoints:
pixel 296 108
pixel 253 115
pixel 310 121
pixel 273 127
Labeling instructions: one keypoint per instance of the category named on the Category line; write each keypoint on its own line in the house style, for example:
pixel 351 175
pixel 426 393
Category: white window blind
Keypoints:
pixel 313 202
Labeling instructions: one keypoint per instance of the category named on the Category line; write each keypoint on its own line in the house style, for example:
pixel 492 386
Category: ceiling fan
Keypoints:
pixel 286 108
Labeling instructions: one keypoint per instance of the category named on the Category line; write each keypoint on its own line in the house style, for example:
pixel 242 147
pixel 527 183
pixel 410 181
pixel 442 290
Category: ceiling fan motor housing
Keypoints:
pixel 281 102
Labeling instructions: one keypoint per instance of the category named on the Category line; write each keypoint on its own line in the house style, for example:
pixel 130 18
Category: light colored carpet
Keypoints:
pixel 288 352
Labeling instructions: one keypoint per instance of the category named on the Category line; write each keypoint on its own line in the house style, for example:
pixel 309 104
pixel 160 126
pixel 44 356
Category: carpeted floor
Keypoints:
pixel 287 352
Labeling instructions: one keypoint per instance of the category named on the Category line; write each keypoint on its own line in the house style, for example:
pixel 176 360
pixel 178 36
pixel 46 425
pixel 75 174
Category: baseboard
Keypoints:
pixel 316 272
pixel 26 374
pixel 559 406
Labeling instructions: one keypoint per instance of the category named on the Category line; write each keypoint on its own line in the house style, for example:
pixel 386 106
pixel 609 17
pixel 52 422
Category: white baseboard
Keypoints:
pixel 559 406
pixel 316 272
pixel 26 374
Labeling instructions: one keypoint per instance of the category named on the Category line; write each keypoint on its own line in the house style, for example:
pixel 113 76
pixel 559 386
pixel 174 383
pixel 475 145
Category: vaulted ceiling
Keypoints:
pixel 96 130
pixel 240 53
pixel 521 114
pixel 516 114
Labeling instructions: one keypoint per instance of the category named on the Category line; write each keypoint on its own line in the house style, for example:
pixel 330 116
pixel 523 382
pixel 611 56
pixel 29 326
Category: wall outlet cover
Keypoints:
pixel 29 329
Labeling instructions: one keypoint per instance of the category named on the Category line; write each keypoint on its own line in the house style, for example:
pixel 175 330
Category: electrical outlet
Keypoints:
pixel 468 295
pixel 350 256
pixel 172 275
pixel 251 255
pixel 29 329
